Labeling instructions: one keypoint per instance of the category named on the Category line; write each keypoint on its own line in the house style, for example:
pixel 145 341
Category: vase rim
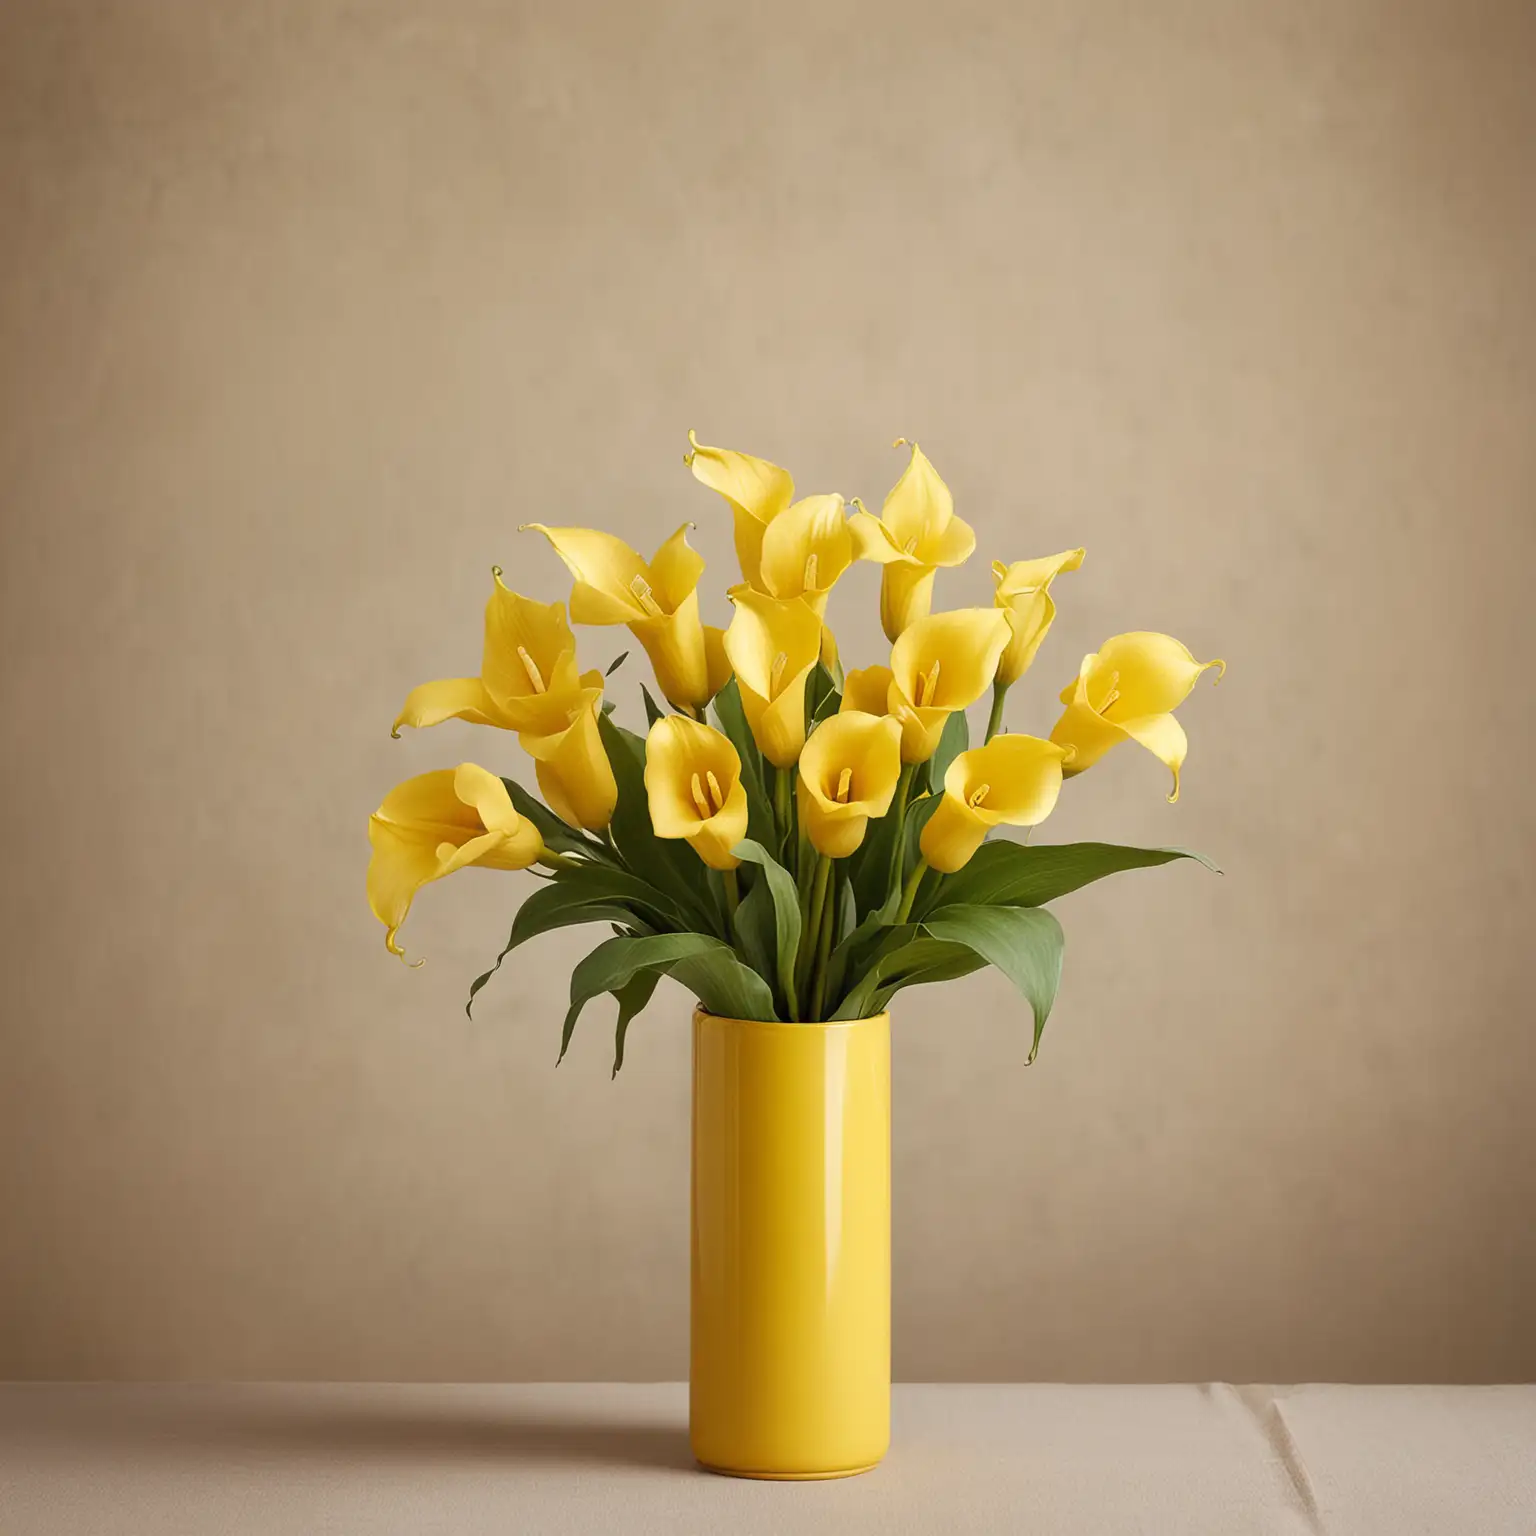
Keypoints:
pixel 702 1013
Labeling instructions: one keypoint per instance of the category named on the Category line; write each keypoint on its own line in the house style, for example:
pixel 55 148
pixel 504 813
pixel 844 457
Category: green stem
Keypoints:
pixel 899 810
pixel 995 719
pixel 824 951
pixel 732 893
pixel 781 791
pixel 810 931
pixel 552 860
pixel 909 890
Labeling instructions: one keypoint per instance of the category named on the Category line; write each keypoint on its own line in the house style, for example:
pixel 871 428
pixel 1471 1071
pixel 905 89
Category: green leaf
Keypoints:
pixel 632 998
pixel 823 694
pixel 556 834
pixel 1011 874
pixel 594 893
pixel 954 740
pixel 780 886
pixel 669 865
pixel 616 663
pixel 653 711
pixel 709 968
pixel 1024 943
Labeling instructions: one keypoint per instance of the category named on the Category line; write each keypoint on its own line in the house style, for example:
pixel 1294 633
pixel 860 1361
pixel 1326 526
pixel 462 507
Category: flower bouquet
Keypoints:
pixel 825 842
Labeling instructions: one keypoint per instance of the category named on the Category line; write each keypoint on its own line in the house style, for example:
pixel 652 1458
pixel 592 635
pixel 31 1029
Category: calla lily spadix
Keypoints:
pixel 1127 690
pixel 772 646
pixel 435 824
pixel 917 532
pixel 940 664
pixel 527 671
pixel 693 785
pixel 756 490
pixel 658 600
pixel 848 773
pixel 1012 781
pixel 1023 592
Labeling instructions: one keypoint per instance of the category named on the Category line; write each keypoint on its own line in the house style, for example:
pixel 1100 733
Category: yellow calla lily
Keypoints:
pixel 756 490
pixel 917 532
pixel 658 600
pixel 436 823
pixel 1023 592
pixel 805 549
pixel 940 664
pixel 772 647
pixel 572 766
pixel 868 690
pixel 1127 690
pixel 693 784
pixel 848 773
pixel 527 670
pixel 1013 781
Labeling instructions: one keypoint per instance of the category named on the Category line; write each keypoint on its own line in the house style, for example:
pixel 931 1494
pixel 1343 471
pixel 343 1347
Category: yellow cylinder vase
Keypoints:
pixel 791 1234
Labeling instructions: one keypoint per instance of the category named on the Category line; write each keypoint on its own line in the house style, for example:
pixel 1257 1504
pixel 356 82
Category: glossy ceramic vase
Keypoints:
pixel 791 1234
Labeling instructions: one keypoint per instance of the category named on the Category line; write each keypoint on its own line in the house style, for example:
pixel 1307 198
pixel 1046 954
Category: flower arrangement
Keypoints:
pixel 829 839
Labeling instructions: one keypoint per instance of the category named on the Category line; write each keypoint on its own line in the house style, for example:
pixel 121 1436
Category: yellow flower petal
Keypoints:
pixel 906 595
pixel 694 789
pixel 940 664
pixel 573 770
pixel 848 773
pixel 610 578
pixel 675 643
pixel 1164 738
pixel 867 689
pixel 675 570
pixel 1154 673
pixel 1023 593
pixel 756 490
pixel 434 824
pixel 919 506
pixel 772 647
pixel 453 698
pixel 806 548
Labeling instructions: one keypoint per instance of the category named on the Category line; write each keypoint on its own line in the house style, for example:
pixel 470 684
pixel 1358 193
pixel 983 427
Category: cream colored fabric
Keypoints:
pixel 1185 1460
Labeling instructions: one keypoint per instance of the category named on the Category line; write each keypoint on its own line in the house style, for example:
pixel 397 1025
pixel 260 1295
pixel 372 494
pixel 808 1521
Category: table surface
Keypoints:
pixel 133 1460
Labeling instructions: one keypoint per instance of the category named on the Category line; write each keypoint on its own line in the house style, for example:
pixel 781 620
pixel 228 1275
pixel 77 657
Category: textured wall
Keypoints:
pixel 304 307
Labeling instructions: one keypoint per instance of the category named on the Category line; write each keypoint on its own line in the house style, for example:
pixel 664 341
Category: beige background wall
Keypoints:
pixel 304 307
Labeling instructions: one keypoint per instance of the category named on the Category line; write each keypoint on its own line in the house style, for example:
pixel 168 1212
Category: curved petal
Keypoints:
pixel 452 698
pixel 1086 733
pixel 573 768
pixel 865 746
pixel 919 506
pixel 675 644
pixel 1156 673
pixel 1012 780
pixel 721 832
pixel 806 548
pixel 428 802
pixel 954 544
pixel 1030 616
pixel 872 540
pixel 948 660
pixel 676 750
pixel 867 689
pixel 951 835
pixel 717 665
pixel 906 595
pixel 1164 738
pixel 529 647
pixel 402 862
pixel 675 570
pixel 765 629
pixel 478 787
pixel 1032 575
pixel 606 571
pixel 753 486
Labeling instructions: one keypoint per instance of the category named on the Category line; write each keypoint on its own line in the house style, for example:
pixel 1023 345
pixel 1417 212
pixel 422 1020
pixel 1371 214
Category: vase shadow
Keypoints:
pixel 173 1423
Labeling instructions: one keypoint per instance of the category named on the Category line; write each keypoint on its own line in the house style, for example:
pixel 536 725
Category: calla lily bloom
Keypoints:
pixel 527 671
pixel 772 647
pixel 868 690
pixel 917 532
pixel 572 765
pixel 1127 691
pixel 693 784
pixel 756 490
pixel 805 549
pixel 940 664
pixel 848 773
pixel 1024 594
pixel 1013 781
pixel 436 823
pixel 659 601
